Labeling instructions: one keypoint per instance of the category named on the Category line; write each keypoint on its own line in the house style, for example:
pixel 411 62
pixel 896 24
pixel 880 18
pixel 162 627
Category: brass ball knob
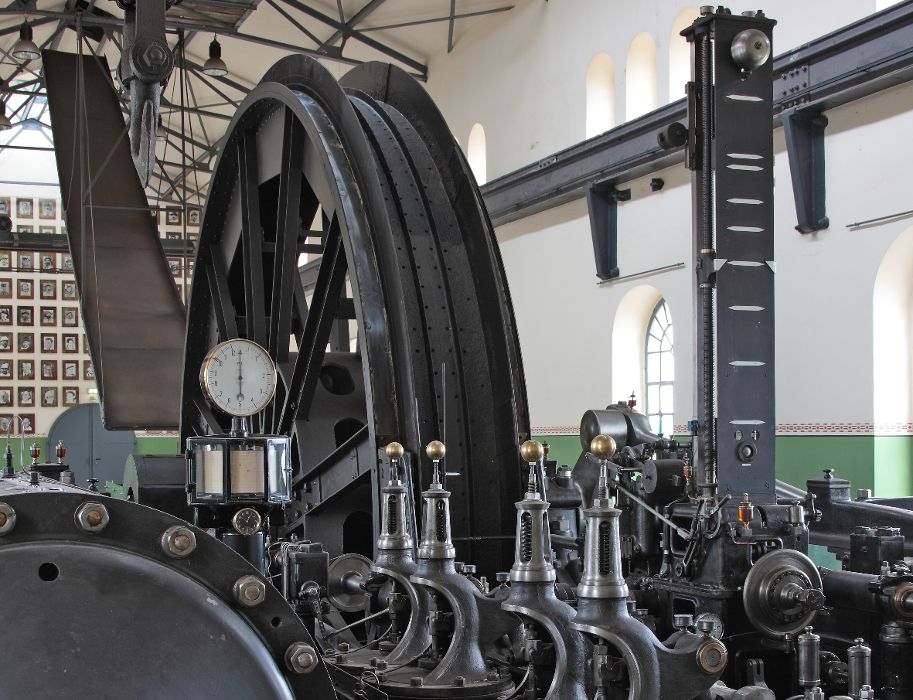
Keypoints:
pixel 394 450
pixel 435 450
pixel 602 446
pixel 531 451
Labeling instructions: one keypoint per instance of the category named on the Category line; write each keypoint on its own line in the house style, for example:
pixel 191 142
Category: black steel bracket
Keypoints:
pixel 804 131
pixel 602 203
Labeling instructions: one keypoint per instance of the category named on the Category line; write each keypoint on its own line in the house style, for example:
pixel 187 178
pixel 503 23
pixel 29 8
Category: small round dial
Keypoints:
pixel 238 377
pixel 247 521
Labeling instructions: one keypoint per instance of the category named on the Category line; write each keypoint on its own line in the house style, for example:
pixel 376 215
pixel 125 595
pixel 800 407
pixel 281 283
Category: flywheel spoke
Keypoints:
pixel 251 238
pixel 320 319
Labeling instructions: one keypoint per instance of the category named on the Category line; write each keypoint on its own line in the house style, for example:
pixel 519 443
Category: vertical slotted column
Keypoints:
pixel 734 247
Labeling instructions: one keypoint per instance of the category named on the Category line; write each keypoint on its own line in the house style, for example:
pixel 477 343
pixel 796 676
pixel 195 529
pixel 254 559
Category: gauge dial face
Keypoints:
pixel 238 377
pixel 247 521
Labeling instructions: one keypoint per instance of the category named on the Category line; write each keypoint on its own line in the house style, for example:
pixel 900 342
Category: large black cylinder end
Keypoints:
pixel 144 595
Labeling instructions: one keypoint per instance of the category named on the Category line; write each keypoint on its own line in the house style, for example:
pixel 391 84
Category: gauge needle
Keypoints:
pixel 240 378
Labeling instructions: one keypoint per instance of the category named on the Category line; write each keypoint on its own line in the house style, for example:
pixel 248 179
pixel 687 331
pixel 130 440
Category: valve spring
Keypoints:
pixel 602 493
pixel 526 538
pixel 605 544
pixel 441 522
pixel 392 515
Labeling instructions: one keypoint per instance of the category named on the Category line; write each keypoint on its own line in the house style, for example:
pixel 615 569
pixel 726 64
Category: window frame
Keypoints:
pixel 661 426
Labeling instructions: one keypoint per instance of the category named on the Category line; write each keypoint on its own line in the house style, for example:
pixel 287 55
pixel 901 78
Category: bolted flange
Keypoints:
pixel 301 658
pixel 249 591
pixel 178 541
pixel 7 518
pixel 91 517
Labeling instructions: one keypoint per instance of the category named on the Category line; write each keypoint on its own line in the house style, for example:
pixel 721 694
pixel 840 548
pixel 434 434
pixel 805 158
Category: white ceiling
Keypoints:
pixel 428 27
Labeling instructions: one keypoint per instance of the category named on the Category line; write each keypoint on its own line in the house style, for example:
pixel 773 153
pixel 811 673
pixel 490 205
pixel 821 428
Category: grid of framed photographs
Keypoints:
pixel 171 221
pixel 44 355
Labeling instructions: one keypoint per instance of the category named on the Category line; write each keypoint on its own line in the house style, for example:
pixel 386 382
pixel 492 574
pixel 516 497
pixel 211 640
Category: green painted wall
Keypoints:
pixel 564 449
pixel 894 465
pixel 156 445
pixel 803 457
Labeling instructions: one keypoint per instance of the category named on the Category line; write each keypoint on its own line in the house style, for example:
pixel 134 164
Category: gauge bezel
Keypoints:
pixel 204 377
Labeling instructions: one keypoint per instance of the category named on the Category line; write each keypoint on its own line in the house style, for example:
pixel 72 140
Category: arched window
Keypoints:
pixel 476 153
pixel 659 369
pixel 680 54
pixel 640 77
pixel 893 335
pixel 600 95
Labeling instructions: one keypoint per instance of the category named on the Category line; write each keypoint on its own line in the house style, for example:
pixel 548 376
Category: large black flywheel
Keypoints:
pixel 344 232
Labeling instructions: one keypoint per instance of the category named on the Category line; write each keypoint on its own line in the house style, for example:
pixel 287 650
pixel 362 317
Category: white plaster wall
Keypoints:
pixel 523 77
pixel 522 74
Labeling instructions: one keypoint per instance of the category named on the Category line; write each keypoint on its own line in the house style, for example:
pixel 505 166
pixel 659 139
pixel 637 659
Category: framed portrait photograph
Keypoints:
pixel 47 208
pixel 47 289
pixel 26 395
pixel 49 369
pixel 175 265
pixel 26 261
pixel 68 290
pixel 48 315
pixel 173 236
pixel 26 369
pixel 70 343
pixel 71 396
pixel 25 342
pixel 25 315
pixel 69 316
pixel 6 369
pixel 71 369
pixel 25 289
pixel 6 288
pixel 49 397
pixel 88 371
pixel 48 262
pixel 25 208
pixel 5 205
pixel 47 229
pixel 27 423
pixel 6 315
pixel 24 228
pixel 6 342
pixel 6 260
pixel 194 216
pixel 67 263
pixel 48 342
pixel 6 396
pixel 172 216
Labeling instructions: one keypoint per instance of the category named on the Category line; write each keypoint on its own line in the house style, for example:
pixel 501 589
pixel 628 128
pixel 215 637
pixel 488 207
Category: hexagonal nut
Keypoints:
pixel 7 518
pixel 249 591
pixel 91 517
pixel 178 541
pixel 301 658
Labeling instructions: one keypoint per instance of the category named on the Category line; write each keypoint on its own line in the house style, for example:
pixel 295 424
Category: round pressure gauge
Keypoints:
pixel 247 521
pixel 238 377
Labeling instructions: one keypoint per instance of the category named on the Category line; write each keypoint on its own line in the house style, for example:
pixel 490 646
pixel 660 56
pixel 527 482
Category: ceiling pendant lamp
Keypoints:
pixel 25 49
pixel 215 67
